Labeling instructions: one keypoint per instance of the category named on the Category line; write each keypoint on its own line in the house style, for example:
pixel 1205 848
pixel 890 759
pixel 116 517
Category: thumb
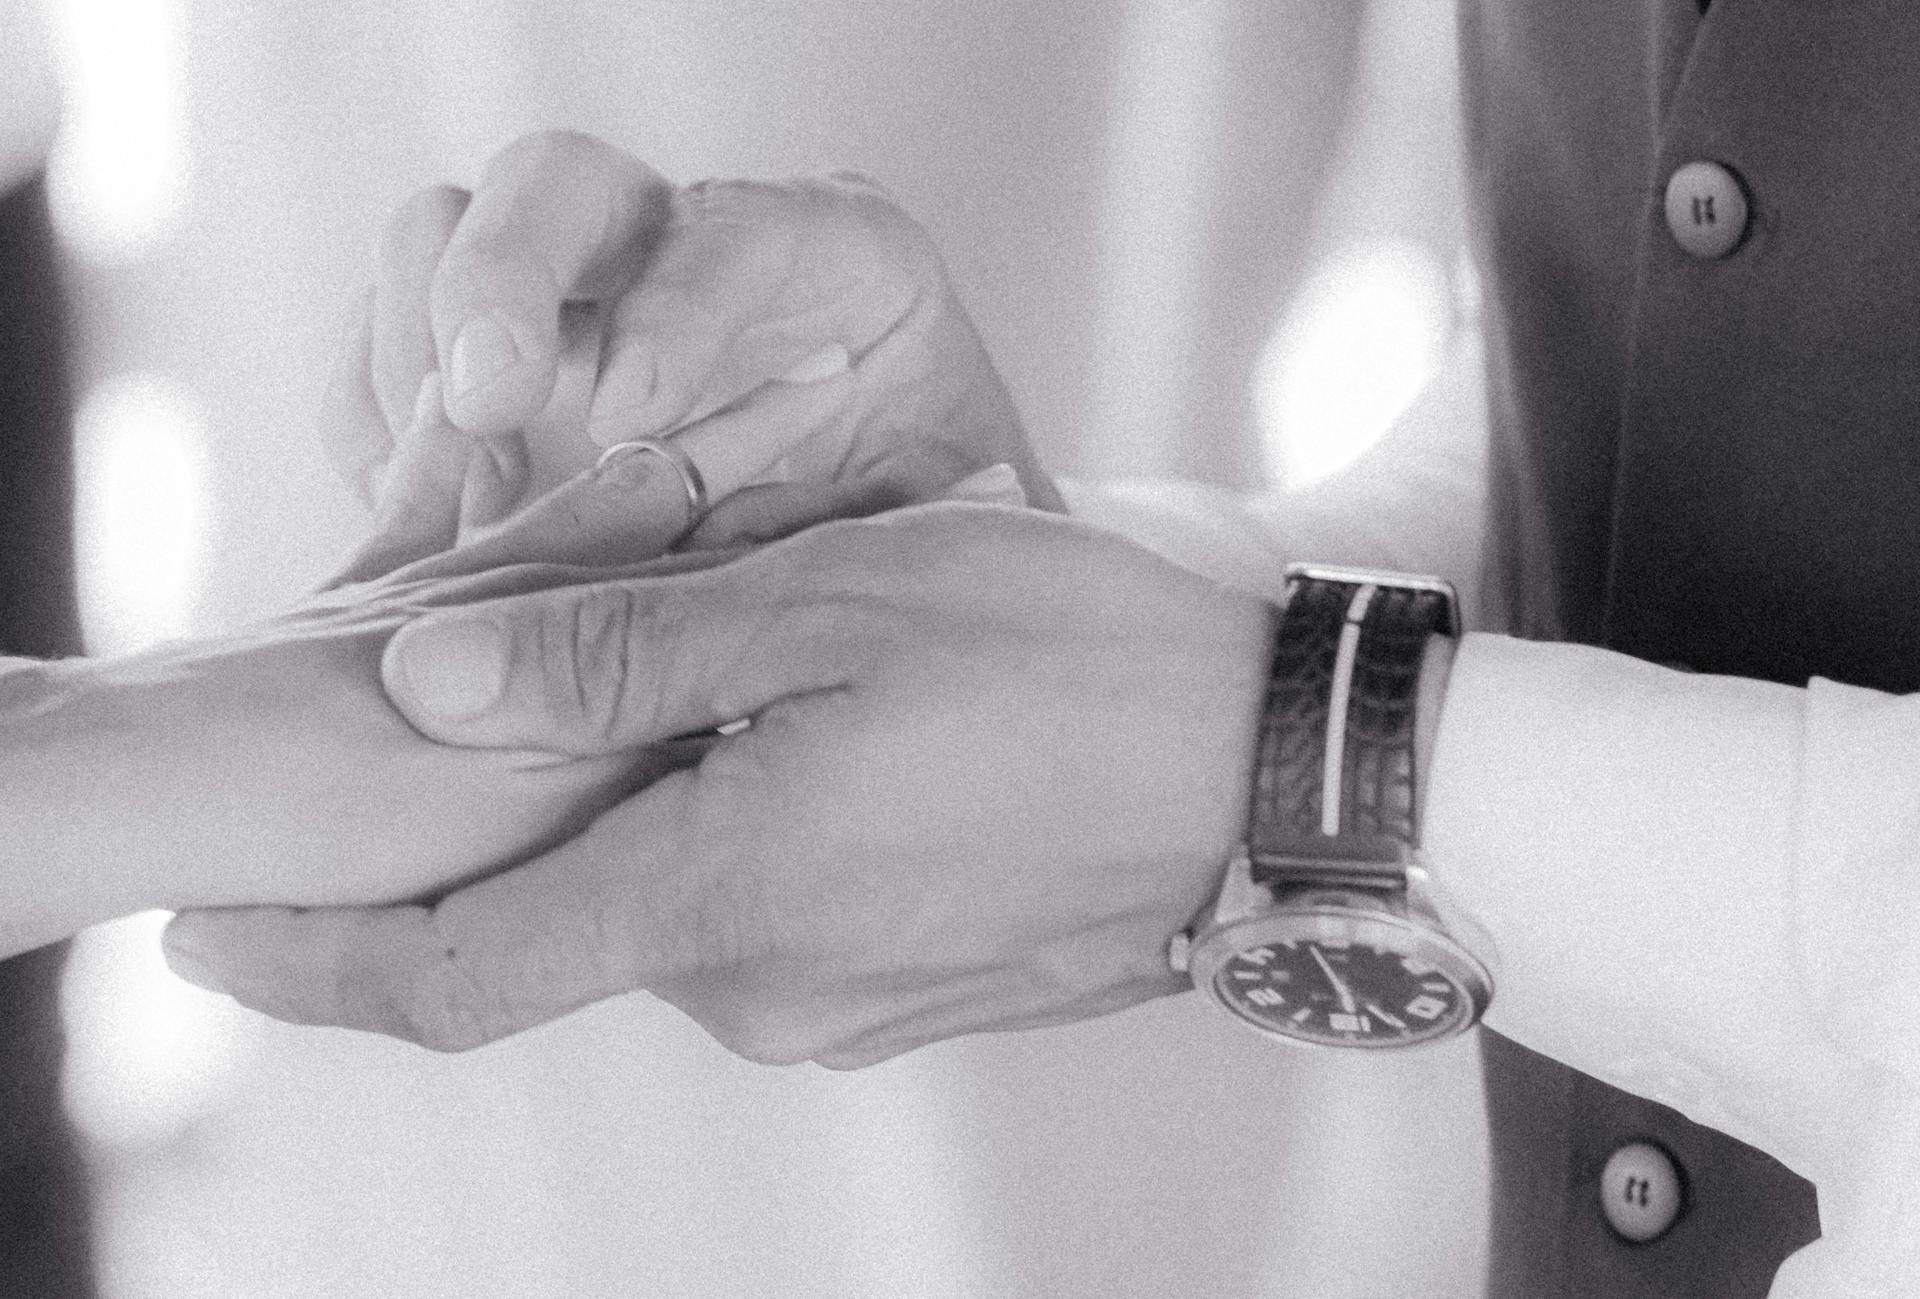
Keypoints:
pixel 599 668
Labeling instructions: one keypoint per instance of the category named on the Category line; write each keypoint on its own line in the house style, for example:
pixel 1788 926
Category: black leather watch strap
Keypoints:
pixel 1334 788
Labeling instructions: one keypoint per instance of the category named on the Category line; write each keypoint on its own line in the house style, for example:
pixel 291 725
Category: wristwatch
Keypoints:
pixel 1324 932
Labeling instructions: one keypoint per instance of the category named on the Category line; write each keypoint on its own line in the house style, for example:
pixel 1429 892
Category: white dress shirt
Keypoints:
pixel 1695 888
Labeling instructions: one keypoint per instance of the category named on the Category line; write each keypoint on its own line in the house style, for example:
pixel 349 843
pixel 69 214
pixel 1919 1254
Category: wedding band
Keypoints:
pixel 682 464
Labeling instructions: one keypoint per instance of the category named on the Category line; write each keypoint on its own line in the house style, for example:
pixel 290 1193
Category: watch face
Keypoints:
pixel 1353 981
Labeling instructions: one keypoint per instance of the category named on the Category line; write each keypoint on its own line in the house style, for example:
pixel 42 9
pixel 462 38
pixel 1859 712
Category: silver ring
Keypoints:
pixel 682 464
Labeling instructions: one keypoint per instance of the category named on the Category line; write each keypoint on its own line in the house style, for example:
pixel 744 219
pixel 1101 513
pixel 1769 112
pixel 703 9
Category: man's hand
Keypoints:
pixel 995 761
pixel 801 341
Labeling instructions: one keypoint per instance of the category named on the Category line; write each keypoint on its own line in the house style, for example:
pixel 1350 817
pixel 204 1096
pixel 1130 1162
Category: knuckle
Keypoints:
pixel 488 268
pixel 545 150
pixel 598 638
pixel 727 928
pixel 769 1047
pixel 884 232
pixel 443 1028
pixel 860 181
pixel 433 1005
pixel 850 596
pixel 847 1059
pixel 417 231
pixel 762 1036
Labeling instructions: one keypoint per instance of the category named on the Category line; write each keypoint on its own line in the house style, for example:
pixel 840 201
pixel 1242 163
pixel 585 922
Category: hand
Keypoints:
pixel 800 340
pixel 268 765
pixel 996 760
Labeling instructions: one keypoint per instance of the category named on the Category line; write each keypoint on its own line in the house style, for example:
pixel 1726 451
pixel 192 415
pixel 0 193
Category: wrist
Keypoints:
pixel 59 806
pixel 1332 841
pixel 1212 740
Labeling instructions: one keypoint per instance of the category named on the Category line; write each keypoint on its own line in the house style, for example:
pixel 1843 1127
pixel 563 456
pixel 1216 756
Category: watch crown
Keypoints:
pixel 1178 948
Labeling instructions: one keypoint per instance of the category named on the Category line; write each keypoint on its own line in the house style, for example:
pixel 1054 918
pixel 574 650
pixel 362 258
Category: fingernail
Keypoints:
pixel 484 350
pixel 185 958
pixel 453 667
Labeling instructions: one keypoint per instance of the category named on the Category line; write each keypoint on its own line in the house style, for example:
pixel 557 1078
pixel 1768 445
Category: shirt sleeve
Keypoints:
pixel 1698 889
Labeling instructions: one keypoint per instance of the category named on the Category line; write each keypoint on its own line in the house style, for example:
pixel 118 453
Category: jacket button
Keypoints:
pixel 1706 209
pixel 1640 1191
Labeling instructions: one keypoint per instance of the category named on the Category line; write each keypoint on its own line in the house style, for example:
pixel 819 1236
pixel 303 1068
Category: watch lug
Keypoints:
pixel 1424 901
pixel 1240 897
pixel 1180 952
pixel 1419 895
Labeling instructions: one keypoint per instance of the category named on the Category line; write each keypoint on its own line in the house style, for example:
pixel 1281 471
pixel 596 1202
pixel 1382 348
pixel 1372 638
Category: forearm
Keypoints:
pixel 262 768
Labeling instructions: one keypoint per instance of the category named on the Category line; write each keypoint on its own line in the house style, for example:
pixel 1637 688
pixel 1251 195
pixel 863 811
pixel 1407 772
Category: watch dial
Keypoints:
pixel 1342 992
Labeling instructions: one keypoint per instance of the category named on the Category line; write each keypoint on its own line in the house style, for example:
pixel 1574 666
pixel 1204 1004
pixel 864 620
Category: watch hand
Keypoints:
pixel 1340 988
pixel 1384 1017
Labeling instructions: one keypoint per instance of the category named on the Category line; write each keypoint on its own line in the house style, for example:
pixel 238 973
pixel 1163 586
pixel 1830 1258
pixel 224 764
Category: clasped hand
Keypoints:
pixel 994 757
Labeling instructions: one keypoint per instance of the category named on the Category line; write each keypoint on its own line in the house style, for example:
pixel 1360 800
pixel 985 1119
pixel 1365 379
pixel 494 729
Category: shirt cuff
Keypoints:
pixel 1700 890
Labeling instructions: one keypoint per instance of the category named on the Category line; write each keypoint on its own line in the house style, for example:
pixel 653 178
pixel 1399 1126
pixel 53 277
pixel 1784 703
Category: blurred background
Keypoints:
pixel 1212 239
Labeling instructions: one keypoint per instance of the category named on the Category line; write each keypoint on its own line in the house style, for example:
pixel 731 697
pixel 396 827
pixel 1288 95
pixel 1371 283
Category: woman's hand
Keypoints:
pixel 269 766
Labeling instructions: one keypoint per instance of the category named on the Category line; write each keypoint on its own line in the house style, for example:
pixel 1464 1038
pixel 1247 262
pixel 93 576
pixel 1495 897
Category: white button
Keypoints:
pixel 1706 209
pixel 1640 1191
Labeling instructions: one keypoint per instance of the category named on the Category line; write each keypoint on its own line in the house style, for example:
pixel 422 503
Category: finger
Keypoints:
pixel 419 509
pixel 498 471
pixel 488 960
pixel 556 437
pixel 353 431
pixel 629 509
pixel 770 511
pixel 415 239
pixel 753 282
pixel 589 670
pixel 739 447
pixel 556 216
pixel 757 515
pixel 817 431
